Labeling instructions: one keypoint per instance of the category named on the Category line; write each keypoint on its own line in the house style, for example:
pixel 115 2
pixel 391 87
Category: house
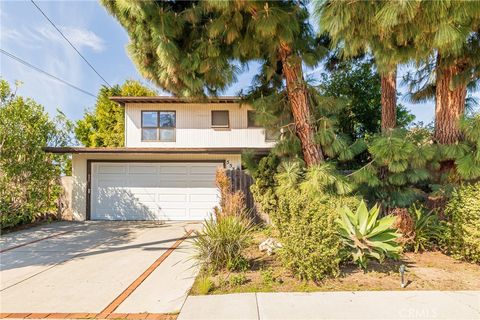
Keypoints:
pixel 166 171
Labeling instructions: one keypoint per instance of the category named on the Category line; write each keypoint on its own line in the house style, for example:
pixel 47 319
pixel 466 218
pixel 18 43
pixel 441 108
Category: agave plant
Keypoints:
pixel 366 236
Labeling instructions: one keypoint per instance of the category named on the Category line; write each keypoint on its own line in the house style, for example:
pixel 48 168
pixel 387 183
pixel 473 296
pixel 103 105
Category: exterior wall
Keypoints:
pixel 65 203
pixel 79 171
pixel 193 126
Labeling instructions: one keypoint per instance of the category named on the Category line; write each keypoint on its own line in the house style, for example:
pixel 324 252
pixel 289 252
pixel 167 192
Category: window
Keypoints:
pixel 252 121
pixel 272 134
pixel 158 126
pixel 220 119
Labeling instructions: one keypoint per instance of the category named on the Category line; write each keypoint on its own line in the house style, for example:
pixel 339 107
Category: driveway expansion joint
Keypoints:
pixel 135 284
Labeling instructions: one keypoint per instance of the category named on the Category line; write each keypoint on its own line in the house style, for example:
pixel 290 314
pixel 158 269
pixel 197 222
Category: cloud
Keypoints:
pixel 78 36
pixel 46 35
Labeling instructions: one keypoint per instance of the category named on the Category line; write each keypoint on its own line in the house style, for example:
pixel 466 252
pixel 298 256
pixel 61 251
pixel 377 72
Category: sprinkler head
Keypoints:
pixel 402 276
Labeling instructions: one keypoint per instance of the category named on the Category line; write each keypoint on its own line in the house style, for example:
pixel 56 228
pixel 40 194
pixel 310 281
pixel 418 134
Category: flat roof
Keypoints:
pixel 125 150
pixel 168 99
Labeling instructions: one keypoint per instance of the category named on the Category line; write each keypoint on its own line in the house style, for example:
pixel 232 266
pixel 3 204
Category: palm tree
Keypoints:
pixel 198 48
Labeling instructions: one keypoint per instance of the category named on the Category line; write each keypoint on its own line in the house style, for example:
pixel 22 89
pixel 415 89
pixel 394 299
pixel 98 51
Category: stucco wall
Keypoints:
pixel 193 126
pixel 79 171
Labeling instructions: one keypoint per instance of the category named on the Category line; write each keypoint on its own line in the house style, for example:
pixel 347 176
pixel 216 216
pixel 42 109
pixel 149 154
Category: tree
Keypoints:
pixel 353 27
pixel 198 48
pixel 445 36
pixel 357 82
pixel 29 186
pixel 104 126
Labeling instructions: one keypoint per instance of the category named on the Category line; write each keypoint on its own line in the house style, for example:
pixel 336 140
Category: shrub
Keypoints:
pixel 263 188
pixel 222 241
pixel 29 186
pixel 204 284
pixel 428 231
pixel 463 213
pixel 366 237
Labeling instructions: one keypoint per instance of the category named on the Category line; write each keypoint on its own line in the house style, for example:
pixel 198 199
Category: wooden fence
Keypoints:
pixel 241 181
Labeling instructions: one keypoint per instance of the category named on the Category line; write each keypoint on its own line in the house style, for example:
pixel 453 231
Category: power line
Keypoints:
pixel 71 44
pixel 12 56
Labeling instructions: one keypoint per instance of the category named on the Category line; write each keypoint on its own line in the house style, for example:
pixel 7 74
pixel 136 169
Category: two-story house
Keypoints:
pixel 166 171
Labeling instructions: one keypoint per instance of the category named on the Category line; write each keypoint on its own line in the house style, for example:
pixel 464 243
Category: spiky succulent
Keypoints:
pixel 365 236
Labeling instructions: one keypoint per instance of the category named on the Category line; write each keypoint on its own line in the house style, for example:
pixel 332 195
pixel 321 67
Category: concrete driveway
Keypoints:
pixel 96 268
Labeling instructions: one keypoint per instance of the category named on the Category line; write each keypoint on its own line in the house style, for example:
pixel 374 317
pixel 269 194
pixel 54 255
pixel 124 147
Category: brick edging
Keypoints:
pixel 135 284
pixel 150 316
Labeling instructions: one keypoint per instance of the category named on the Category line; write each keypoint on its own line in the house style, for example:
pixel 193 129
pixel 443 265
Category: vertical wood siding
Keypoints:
pixel 193 127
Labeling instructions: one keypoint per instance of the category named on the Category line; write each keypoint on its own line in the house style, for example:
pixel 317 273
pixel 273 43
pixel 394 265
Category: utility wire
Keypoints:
pixel 70 43
pixel 14 57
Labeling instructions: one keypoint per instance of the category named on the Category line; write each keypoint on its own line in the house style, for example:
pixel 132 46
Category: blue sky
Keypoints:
pixel 27 34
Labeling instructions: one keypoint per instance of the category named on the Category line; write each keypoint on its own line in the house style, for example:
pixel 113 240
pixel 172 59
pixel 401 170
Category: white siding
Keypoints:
pixel 194 126
pixel 79 171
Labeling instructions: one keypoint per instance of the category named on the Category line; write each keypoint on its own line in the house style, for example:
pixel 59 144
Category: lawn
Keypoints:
pixel 425 271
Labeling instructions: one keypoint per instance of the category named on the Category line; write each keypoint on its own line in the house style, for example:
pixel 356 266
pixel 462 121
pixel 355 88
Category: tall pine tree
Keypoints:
pixel 354 29
pixel 198 48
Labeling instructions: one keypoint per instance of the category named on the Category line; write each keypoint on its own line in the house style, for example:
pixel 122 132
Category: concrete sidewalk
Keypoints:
pixel 336 305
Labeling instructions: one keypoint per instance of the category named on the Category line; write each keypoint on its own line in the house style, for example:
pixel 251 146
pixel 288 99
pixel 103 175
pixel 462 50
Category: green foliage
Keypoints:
pixel 267 277
pixel 204 284
pixel 187 48
pixel 237 279
pixel 29 186
pixel 104 126
pixel 222 241
pixel 263 188
pixel 428 230
pixel 367 237
pixel 401 162
pixel 463 213
pixel 467 152
pixel 306 224
pixel 357 82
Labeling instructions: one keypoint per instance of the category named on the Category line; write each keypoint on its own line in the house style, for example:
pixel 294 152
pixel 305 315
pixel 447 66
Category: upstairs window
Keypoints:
pixel 158 126
pixel 252 121
pixel 220 119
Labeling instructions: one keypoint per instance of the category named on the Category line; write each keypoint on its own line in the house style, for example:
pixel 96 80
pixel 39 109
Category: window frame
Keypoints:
pixel 158 128
pixel 248 122
pixel 220 126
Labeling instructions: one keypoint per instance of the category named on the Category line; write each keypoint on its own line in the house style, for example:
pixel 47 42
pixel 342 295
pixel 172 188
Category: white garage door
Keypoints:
pixel 153 191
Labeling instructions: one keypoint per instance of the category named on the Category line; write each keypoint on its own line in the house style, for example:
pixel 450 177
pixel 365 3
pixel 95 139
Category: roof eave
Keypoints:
pixel 77 150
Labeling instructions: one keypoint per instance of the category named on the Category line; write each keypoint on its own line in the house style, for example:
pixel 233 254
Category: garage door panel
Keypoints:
pixel 145 197
pixel 173 169
pixel 208 169
pixel 172 183
pixel 142 169
pixel 142 182
pixel 210 198
pixel 111 168
pixel 172 197
pixel 153 191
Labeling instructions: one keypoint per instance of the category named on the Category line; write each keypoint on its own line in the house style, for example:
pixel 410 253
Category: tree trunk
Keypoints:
pixel 449 103
pixel 389 100
pixel 299 104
